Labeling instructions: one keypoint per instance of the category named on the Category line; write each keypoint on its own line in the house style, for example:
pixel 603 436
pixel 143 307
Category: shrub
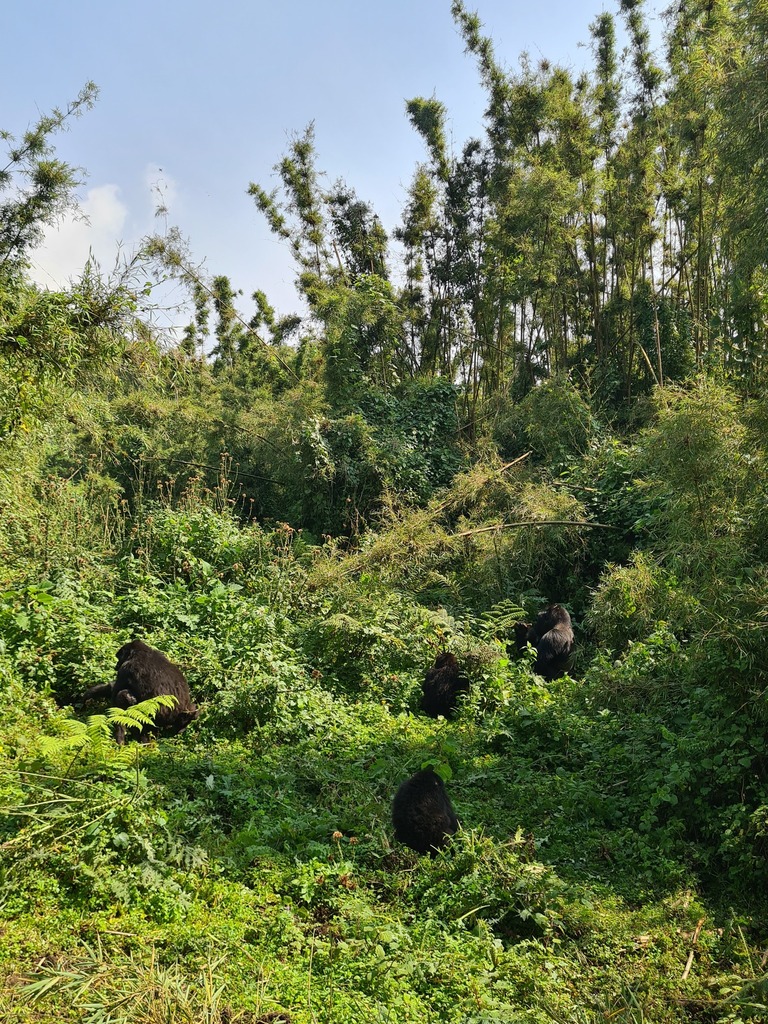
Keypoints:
pixel 630 601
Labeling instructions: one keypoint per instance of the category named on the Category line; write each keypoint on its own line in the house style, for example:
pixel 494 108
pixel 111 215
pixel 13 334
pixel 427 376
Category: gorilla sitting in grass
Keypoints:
pixel 442 685
pixel 552 636
pixel 143 672
pixel 422 814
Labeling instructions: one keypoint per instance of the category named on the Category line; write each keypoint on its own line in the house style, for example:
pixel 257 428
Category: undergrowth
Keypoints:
pixel 611 861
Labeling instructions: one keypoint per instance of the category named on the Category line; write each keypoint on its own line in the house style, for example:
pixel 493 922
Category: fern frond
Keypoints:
pixel 99 727
pixel 73 735
pixel 142 714
pixel 501 618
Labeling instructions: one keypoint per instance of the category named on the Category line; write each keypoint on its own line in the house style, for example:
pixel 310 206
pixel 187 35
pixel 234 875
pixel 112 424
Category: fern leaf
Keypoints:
pixel 142 714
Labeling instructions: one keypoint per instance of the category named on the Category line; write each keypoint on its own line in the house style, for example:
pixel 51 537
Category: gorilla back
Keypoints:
pixel 552 636
pixel 422 814
pixel 442 684
pixel 143 672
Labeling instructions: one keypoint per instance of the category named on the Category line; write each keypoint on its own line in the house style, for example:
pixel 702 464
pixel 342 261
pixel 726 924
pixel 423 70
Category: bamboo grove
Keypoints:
pixel 608 225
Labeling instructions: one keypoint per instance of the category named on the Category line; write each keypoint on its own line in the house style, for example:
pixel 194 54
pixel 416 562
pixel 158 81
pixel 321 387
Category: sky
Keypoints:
pixel 197 100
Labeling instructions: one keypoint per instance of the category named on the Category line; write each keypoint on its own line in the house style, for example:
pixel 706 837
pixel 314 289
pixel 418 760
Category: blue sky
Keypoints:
pixel 199 99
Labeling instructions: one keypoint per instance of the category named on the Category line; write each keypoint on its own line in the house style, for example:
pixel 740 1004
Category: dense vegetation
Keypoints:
pixel 563 398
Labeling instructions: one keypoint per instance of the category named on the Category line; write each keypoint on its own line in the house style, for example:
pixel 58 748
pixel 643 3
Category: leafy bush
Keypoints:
pixel 56 635
pixel 630 602
pixel 696 461
pixel 553 421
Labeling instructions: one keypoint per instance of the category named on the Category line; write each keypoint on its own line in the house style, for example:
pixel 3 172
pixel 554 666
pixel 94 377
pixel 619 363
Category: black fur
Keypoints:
pixel 552 636
pixel 521 630
pixel 143 672
pixel 442 684
pixel 422 814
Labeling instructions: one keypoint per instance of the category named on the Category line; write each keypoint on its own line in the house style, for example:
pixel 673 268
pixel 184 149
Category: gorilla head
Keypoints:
pixel 521 630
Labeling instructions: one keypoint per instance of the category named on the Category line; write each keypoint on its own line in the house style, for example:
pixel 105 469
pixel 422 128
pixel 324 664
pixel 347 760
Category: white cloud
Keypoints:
pixel 65 248
pixel 112 228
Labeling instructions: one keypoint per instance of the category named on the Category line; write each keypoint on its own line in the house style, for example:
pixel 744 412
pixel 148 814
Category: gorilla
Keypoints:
pixel 422 814
pixel 143 672
pixel 521 630
pixel 552 636
pixel 442 683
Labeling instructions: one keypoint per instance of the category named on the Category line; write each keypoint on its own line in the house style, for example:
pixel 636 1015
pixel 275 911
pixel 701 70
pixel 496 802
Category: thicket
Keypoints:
pixel 563 400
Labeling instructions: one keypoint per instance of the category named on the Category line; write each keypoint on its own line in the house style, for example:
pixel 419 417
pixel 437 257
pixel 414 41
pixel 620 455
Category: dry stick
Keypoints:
pixel 514 462
pixel 657 332
pixel 536 522
pixel 694 940
pixel 648 361
pixel 341 265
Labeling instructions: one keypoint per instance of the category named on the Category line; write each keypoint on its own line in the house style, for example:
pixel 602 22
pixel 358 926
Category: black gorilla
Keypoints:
pixel 143 672
pixel 552 636
pixel 521 630
pixel 422 814
pixel 442 683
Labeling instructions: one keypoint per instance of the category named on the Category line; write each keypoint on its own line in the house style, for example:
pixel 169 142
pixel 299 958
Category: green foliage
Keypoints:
pixel 345 481
pixel 417 435
pixel 363 330
pixel 632 600
pixel 498 883
pixel 303 528
pixel 55 635
pixel 86 814
pixel 52 338
pixel 274 807
pixel 35 187
pixel 553 421
pixel 696 460
pixel 616 495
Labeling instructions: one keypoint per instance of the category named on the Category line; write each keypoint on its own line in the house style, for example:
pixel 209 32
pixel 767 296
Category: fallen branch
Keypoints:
pixel 694 940
pixel 514 462
pixel 536 522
